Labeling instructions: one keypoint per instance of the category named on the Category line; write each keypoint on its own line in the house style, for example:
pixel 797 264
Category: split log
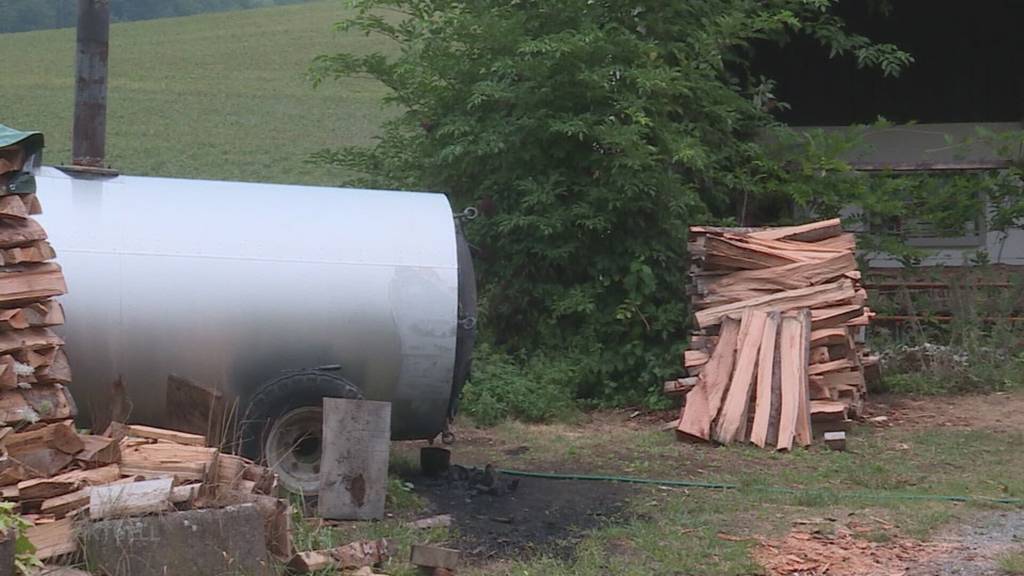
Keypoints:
pixel 831 366
pixel 186 493
pixel 55 371
pixel 679 387
pixel 812 297
pixel 34 253
pixel 819 390
pixel 347 557
pixel 704 401
pixel 803 424
pixel 827 410
pixel 790 277
pixel 122 500
pixel 98 451
pixel 765 369
pixel 28 339
pixel 820 355
pixel 732 419
pixel 835 316
pixel 60 436
pixel 174 436
pixel 845 241
pixel 264 479
pixel 794 378
pixel 12 472
pixel 692 358
pixel 733 252
pixel 13 320
pixel 46 403
pixel 12 207
pixel 60 506
pixel 230 471
pixel 30 282
pixel 43 488
pixel 830 337
pixel 15 233
pixel 53 538
pixel 42 314
pixel 811 232
pixel 184 463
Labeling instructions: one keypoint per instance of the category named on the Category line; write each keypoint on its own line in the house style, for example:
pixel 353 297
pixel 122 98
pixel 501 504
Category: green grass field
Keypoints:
pixel 219 96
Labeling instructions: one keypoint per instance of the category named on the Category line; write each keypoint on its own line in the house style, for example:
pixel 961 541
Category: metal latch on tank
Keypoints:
pixel 468 214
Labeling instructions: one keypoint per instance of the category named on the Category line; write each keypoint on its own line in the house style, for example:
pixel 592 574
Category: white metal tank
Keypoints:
pixel 276 295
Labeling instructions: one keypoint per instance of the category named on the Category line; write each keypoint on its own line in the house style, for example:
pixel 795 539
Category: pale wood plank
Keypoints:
pixel 803 423
pixel 703 402
pixel 174 436
pixel 792 374
pixel 765 368
pixel 732 419
pixel 120 500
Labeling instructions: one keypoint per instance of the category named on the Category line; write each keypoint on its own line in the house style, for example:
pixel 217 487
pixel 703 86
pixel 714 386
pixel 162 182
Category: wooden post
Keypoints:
pixel 354 459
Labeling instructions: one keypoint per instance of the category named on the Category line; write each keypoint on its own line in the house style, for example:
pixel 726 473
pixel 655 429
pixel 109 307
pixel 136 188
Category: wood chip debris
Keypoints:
pixel 843 554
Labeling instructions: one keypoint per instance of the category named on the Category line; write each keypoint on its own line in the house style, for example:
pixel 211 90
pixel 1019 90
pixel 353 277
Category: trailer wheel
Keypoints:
pixel 284 424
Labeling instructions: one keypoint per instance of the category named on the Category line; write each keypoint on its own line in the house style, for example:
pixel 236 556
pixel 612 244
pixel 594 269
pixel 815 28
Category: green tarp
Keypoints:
pixel 9 137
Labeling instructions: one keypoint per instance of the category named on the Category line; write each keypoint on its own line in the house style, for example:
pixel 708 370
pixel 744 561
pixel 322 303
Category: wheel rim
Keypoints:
pixel 292 449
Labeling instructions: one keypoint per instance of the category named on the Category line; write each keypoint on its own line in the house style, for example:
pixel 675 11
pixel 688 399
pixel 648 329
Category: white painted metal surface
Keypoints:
pixel 229 284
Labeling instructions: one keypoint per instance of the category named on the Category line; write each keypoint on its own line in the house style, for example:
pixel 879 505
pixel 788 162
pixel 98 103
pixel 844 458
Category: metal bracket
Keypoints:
pixel 469 213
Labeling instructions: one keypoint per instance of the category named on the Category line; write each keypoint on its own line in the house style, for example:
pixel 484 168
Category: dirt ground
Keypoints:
pixel 540 517
pixel 998 411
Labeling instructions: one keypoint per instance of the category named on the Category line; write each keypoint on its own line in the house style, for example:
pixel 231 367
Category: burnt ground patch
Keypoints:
pixel 537 517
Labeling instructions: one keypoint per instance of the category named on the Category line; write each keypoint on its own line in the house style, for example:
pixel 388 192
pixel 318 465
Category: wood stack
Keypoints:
pixel 33 367
pixel 777 314
pixel 64 477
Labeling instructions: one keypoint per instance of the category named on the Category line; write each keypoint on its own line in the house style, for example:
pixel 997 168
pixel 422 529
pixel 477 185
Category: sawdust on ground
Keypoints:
pixel 843 553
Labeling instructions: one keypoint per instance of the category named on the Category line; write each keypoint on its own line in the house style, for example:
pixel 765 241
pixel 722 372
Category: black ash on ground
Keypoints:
pixel 498 516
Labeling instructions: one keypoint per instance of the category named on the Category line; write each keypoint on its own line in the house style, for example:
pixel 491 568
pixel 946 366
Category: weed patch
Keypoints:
pixel 1012 563
pixel 533 390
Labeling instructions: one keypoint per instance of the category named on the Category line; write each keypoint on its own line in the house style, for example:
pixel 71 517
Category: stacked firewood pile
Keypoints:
pixel 778 313
pixel 57 477
pixel 33 366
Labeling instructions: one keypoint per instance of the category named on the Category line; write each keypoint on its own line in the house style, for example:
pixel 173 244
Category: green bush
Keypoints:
pixel 504 387
pixel 589 134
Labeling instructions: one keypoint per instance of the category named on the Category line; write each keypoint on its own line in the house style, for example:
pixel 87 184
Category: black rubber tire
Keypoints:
pixel 285 393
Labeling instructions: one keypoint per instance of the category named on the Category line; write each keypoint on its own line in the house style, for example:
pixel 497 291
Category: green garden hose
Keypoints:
pixel 878 494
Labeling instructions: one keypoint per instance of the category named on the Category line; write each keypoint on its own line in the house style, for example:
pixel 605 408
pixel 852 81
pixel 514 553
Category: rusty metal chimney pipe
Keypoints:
pixel 89 136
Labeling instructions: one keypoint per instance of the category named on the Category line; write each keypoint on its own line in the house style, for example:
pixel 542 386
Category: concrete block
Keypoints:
pixel 835 440
pixel 225 541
